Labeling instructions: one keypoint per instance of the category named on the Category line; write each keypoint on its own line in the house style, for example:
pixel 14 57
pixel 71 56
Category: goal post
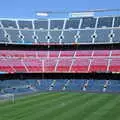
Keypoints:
pixel 8 97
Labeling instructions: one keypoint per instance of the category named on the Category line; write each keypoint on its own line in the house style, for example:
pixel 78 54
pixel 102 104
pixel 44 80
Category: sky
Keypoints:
pixel 28 8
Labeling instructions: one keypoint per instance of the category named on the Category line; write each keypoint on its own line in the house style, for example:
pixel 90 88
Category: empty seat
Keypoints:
pixel 41 24
pixel 25 24
pixel 85 36
pixel 81 53
pixel 28 36
pixel 3 38
pixel 55 37
pixel 16 64
pixel 105 22
pixel 80 65
pixel 88 22
pixel 56 24
pixel 49 64
pixel 115 65
pixel 116 37
pixel 104 53
pixel 69 36
pixel 54 53
pixel 95 85
pixel 42 53
pixel 115 53
pixel 98 65
pixel 9 23
pixel 67 54
pixel 75 85
pixel 11 65
pixel 72 23
pixel 42 37
pixel 30 53
pixel 6 69
pixel 64 64
pixel 33 65
pixel 14 36
pixel 117 22
pixel 102 36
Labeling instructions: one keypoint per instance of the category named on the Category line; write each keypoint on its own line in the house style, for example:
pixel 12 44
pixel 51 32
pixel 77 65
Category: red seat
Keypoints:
pixel 54 53
pixel 7 69
pixel 42 53
pixel 67 53
pixel 56 61
pixel 115 53
pixel 64 64
pixel 49 64
pixel 115 65
pixel 83 53
pixel 98 65
pixel 101 53
pixel 33 64
pixel 80 65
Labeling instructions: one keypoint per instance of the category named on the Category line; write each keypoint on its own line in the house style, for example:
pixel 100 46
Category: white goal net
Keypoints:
pixel 8 97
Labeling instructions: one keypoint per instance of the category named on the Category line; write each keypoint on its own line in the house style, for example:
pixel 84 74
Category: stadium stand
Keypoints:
pixel 60 32
pixel 84 30
pixel 28 86
pixel 60 61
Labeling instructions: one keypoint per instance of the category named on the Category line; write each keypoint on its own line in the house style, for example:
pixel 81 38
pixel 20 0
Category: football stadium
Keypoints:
pixel 60 68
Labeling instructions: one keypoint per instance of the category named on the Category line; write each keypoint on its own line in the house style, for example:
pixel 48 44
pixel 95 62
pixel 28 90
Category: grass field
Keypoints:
pixel 63 106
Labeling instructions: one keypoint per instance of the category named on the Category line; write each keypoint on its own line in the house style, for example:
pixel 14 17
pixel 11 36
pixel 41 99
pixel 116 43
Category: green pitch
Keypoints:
pixel 63 106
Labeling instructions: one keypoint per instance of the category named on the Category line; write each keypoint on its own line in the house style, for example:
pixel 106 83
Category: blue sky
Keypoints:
pixel 27 8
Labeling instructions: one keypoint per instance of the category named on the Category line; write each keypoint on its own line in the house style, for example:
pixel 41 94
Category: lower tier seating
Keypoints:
pixel 28 86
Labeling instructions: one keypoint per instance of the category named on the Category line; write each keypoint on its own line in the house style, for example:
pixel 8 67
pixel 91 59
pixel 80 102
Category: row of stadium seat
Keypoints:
pixel 60 61
pixel 86 30
pixel 52 54
pixel 22 86
pixel 87 36
pixel 74 23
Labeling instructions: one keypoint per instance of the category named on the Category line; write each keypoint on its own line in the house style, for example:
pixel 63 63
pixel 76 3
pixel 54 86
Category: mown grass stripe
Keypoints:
pixel 52 103
pixel 21 104
pixel 103 109
pixel 24 107
pixel 81 104
pixel 50 113
pixel 63 106
pixel 110 108
pixel 70 104
pixel 93 106
pixel 43 104
pixel 22 98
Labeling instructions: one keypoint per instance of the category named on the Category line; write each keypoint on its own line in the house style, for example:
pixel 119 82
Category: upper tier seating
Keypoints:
pixel 86 30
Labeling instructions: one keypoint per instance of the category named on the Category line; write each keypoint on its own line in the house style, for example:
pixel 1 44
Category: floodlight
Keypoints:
pixel 44 14
pixel 81 14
